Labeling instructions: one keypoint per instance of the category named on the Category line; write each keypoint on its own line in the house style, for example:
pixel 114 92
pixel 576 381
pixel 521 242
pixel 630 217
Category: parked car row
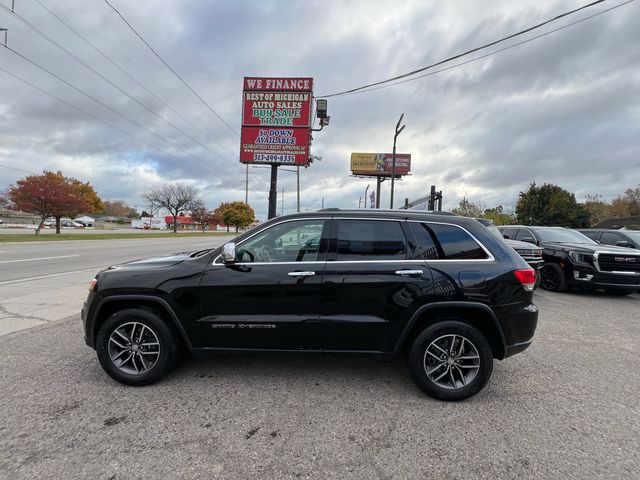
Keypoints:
pixel 573 259
pixel 64 223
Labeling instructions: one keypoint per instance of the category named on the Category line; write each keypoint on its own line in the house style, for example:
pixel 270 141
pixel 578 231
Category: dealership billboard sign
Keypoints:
pixel 276 120
pixel 380 164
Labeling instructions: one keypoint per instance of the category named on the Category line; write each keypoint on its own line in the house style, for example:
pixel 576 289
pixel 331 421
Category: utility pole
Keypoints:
pixel 393 162
pixel 246 186
pixel 282 205
pixel 298 182
pixel 273 192
pixel 365 196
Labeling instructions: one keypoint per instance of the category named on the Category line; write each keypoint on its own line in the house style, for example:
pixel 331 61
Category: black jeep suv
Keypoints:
pixel 571 259
pixel 441 290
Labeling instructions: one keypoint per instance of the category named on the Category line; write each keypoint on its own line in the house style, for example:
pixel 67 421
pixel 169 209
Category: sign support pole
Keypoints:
pixel 378 182
pixel 273 191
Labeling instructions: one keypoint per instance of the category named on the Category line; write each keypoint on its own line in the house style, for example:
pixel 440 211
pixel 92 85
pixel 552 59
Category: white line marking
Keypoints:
pixel 42 277
pixel 36 259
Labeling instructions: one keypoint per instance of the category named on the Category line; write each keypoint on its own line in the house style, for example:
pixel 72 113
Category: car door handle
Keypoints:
pixel 301 274
pixel 409 273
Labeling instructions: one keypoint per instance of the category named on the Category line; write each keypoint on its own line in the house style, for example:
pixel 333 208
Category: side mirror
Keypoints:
pixel 529 240
pixel 229 253
pixel 623 243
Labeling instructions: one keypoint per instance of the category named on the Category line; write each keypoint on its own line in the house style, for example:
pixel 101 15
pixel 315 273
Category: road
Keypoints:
pixel 46 281
pixel 566 408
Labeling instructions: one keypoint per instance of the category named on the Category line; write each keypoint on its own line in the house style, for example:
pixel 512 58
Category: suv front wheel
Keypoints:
pixel 451 360
pixel 135 347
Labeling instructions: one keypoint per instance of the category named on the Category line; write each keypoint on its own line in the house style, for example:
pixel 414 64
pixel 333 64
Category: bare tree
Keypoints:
pixel 172 196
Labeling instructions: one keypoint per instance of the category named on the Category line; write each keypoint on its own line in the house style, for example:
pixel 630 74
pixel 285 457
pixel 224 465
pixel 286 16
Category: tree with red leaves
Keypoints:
pixel 205 218
pixel 54 195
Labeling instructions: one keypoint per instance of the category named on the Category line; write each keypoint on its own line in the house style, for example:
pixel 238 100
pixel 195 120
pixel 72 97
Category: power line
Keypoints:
pixel 172 70
pixel 88 67
pixel 468 52
pixel 121 69
pixel 98 187
pixel 87 113
pixel 491 53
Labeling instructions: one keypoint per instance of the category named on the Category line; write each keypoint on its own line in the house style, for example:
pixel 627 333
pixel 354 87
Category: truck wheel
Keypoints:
pixel 136 347
pixel 451 360
pixel 552 278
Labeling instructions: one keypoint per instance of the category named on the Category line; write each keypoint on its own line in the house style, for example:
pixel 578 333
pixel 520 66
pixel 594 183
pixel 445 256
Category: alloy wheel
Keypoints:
pixel 451 361
pixel 134 348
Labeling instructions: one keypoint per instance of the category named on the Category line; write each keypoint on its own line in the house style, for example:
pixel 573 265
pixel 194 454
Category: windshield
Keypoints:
pixel 635 236
pixel 494 231
pixel 562 235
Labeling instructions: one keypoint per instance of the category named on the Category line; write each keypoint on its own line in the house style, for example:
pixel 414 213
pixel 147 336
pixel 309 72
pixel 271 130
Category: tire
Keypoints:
pixel 552 278
pixel 147 359
pixel 466 380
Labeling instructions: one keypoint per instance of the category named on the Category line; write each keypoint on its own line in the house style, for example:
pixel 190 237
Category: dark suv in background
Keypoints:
pixel 574 260
pixel 619 238
pixel 440 290
pixel 530 253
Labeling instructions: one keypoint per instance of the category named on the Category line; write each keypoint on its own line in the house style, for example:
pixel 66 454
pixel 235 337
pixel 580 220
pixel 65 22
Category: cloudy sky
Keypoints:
pixel 564 108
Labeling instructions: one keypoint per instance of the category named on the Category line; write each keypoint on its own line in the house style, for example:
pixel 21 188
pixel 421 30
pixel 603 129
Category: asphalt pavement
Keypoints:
pixel 43 282
pixel 566 408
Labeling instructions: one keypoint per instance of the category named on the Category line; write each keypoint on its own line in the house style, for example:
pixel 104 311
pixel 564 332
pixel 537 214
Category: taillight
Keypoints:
pixel 527 277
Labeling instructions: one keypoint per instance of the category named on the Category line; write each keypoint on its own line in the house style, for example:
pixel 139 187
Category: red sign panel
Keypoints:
pixel 275 145
pixel 276 118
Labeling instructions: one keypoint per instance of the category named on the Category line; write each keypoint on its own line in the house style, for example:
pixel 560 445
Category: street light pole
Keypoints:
pixel 365 196
pixel 393 162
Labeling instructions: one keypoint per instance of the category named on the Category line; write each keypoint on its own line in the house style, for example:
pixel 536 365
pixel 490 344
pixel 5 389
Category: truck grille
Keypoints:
pixel 619 262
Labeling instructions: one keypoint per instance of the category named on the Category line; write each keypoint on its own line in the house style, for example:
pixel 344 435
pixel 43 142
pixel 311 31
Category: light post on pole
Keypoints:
pixel 393 161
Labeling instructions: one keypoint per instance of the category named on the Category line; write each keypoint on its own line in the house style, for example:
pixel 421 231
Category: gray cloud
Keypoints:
pixel 561 109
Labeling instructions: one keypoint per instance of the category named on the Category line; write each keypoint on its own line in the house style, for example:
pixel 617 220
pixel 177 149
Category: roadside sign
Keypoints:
pixel 276 120
pixel 380 164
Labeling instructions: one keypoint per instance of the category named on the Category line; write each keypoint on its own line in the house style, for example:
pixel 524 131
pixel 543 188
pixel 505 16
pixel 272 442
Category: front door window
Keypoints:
pixel 295 241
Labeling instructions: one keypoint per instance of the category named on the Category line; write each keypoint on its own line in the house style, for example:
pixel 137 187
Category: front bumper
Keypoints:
pixel 590 277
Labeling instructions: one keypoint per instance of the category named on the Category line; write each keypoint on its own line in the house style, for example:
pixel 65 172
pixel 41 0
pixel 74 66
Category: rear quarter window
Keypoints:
pixel 456 244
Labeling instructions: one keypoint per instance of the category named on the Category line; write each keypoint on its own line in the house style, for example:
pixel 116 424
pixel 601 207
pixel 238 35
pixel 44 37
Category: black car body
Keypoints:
pixel 574 260
pixel 377 282
pixel 618 238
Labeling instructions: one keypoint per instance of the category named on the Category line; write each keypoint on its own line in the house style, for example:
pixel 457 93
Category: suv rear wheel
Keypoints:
pixel 451 360
pixel 136 347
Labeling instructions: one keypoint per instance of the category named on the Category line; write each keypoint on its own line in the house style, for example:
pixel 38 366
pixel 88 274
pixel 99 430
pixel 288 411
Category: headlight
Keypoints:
pixel 93 285
pixel 579 257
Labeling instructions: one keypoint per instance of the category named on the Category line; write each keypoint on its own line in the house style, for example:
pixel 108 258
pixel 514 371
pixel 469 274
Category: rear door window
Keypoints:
pixel 370 240
pixel 427 244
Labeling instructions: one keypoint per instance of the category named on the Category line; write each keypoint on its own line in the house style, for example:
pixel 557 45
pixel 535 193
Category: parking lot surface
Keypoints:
pixel 566 408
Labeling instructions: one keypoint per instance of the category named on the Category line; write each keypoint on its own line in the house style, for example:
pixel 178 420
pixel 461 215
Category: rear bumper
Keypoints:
pixel 519 324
